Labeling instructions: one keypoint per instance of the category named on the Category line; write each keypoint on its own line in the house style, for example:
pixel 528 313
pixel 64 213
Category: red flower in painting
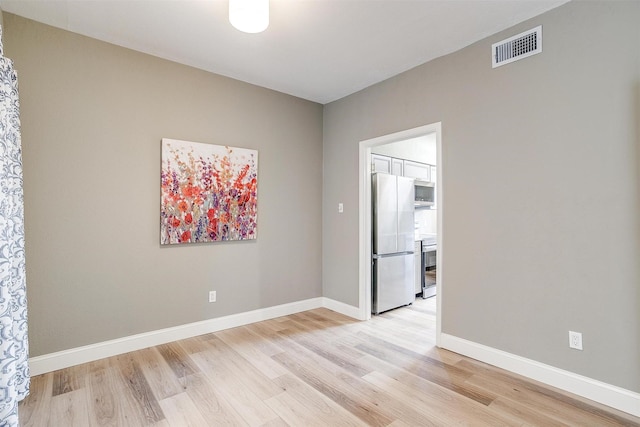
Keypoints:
pixel 211 214
pixel 183 206
pixel 188 219
pixel 244 198
pixel 185 237
pixel 190 191
pixel 175 222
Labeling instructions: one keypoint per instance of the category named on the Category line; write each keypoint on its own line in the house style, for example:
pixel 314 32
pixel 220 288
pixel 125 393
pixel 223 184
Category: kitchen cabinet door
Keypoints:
pixel 380 163
pixel 417 170
pixel 397 167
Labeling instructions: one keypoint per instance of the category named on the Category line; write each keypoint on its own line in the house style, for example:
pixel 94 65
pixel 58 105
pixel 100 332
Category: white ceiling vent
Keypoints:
pixel 517 47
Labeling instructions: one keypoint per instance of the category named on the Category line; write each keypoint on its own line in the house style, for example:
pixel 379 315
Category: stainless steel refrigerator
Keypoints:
pixel 393 242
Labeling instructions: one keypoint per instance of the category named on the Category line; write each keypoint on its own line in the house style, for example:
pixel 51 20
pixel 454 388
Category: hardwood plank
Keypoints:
pixel 276 324
pixel 327 378
pixel 263 330
pixel 178 359
pixel 521 414
pixel 34 409
pixel 409 321
pixel 195 344
pixel 315 331
pixel 265 345
pixel 417 343
pixel 424 309
pixel 321 318
pixel 513 385
pixel 128 409
pixel 138 389
pixel 399 423
pixel 557 409
pixel 366 411
pixel 292 412
pixel 103 398
pixel 247 345
pixel 159 375
pixel 180 410
pixel 276 422
pixel 229 361
pixel 241 397
pixel 316 403
pixel 376 399
pixel 438 407
pixel 70 379
pixel 445 356
pixel 445 376
pixel 69 409
pixel 328 352
pixel 210 402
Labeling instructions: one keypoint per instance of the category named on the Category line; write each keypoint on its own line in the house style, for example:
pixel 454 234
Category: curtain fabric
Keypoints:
pixel 14 350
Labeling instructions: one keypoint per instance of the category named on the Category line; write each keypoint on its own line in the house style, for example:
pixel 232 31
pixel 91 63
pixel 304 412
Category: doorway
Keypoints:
pixel 365 216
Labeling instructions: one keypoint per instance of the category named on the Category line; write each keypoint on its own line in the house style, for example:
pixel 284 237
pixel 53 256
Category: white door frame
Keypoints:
pixel 364 303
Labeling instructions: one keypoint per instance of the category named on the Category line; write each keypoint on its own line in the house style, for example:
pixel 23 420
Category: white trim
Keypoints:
pixel 364 209
pixel 440 218
pixel 364 235
pixel 607 394
pixel 88 353
pixel 342 308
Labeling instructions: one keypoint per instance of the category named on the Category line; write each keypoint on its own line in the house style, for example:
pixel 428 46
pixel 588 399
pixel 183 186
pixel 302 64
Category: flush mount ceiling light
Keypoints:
pixel 250 16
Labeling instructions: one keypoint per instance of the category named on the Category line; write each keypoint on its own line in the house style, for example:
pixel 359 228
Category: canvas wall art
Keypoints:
pixel 209 193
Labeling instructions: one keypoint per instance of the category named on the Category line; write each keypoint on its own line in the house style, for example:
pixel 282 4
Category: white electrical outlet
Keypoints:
pixel 575 340
pixel 340 208
pixel 212 296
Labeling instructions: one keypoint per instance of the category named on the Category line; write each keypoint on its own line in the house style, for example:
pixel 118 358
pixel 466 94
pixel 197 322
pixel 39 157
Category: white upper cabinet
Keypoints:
pixel 380 163
pixel 397 167
pixel 417 170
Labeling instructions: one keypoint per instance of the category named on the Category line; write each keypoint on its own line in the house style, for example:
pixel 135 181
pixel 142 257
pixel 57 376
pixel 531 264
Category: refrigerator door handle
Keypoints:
pixel 376 256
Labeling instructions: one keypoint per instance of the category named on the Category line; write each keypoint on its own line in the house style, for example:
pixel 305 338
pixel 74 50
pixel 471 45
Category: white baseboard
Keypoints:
pixel 615 397
pixel 88 353
pixel 342 308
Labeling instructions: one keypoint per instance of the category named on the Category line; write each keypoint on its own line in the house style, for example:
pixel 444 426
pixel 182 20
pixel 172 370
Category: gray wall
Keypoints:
pixel 93 116
pixel 541 183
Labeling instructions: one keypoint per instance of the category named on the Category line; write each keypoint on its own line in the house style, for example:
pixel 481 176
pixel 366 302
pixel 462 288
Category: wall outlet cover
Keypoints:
pixel 575 340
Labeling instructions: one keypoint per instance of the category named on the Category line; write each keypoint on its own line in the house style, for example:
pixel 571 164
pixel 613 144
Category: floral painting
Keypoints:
pixel 209 193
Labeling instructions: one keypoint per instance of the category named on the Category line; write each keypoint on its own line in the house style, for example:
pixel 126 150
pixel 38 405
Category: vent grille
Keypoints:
pixel 517 47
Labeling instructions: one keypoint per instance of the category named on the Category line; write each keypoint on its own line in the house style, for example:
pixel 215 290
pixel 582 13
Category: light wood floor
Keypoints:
pixel 316 368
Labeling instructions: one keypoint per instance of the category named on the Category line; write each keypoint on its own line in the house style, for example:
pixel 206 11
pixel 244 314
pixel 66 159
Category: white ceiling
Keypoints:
pixel 320 50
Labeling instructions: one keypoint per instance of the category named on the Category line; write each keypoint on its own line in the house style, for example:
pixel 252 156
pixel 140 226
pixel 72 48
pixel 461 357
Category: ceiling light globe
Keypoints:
pixel 249 16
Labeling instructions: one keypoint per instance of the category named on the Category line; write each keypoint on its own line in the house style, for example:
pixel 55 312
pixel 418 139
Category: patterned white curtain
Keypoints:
pixel 14 350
